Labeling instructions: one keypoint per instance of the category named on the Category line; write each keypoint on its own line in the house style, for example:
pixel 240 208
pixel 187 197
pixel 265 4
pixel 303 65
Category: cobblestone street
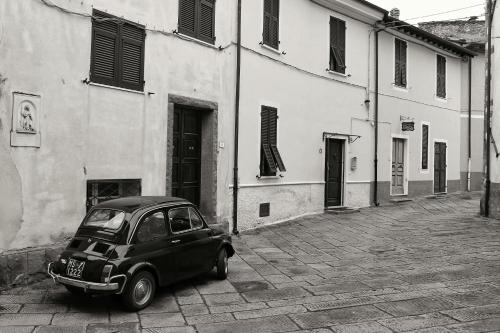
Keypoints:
pixel 430 265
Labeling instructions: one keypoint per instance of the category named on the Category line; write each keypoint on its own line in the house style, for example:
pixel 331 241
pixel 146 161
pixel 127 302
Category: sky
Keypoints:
pixel 411 10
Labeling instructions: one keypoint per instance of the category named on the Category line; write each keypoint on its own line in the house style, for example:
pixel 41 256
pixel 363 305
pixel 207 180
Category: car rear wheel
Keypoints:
pixel 140 291
pixel 222 265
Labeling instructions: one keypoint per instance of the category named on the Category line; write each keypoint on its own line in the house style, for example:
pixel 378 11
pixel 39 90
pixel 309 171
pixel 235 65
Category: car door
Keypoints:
pixel 190 241
pixel 151 244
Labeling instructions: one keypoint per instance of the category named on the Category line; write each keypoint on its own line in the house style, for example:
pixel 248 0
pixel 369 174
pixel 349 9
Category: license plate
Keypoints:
pixel 75 268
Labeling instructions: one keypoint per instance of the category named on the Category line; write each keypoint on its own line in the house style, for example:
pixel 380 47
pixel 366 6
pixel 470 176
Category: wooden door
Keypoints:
pixel 334 166
pixel 186 159
pixel 440 167
pixel 398 167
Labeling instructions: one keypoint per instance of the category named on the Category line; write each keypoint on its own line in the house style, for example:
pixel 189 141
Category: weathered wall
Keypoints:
pixel 495 120
pixel 95 132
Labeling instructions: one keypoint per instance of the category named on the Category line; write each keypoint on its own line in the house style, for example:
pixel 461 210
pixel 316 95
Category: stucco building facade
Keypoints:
pixel 83 121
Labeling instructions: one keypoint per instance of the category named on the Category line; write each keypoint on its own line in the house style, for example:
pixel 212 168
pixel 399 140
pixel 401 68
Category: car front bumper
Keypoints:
pixel 87 286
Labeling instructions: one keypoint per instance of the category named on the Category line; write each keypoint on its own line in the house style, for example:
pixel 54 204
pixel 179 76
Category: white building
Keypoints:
pixel 110 98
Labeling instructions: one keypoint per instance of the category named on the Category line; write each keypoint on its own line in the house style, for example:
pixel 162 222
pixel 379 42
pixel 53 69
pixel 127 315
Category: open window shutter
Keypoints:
pixel 267 138
pixel 337 44
pixel 132 56
pixel 104 58
pixel 403 63
pixel 274 27
pixel 266 30
pixel 425 146
pixel 206 20
pixel 273 139
pixel 187 17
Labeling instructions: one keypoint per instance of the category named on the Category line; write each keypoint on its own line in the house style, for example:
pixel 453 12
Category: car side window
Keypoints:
pixel 179 219
pixel 152 226
pixel 196 222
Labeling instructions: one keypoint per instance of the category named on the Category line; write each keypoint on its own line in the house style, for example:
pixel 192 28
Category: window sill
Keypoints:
pixel 116 88
pixel 338 73
pixel 270 48
pixel 196 40
pixel 441 99
pixel 269 177
pixel 400 88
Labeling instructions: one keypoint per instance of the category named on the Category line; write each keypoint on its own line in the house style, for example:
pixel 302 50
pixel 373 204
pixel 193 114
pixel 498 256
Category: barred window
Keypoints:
pixel 103 190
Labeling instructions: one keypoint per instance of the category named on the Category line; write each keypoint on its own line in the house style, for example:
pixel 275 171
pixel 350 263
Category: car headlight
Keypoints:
pixel 106 273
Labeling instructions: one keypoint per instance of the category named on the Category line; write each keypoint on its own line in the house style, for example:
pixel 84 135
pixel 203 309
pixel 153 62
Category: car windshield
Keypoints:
pixel 105 218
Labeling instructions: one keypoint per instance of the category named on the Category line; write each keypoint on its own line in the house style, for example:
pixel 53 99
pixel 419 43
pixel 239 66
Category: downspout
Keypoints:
pixel 237 123
pixel 469 161
pixel 487 120
pixel 375 161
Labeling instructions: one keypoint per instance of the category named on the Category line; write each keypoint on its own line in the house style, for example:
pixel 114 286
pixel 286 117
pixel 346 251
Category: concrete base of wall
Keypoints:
pixel 476 181
pixel 495 201
pixel 420 188
pixel 415 189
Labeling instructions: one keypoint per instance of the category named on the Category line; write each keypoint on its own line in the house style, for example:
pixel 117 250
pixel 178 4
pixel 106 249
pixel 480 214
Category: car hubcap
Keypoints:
pixel 142 291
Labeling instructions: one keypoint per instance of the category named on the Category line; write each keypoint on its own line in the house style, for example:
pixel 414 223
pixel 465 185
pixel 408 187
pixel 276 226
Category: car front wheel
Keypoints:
pixel 222 265
pixel 140 291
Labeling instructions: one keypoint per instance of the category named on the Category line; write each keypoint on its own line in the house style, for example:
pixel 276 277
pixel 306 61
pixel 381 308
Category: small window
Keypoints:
pixel 400 48
pixel 105 218
pixel 196 221
pixel 152 227
pixel 425 147
pixel 270 158
pixel 441 76
pixel 104 190
pixel 270 32
pixel 337 45
pixel 117 52
pixel 179 220
pixel 197 19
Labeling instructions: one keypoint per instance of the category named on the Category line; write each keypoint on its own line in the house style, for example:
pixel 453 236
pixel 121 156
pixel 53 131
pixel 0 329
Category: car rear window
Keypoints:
pixel 105 218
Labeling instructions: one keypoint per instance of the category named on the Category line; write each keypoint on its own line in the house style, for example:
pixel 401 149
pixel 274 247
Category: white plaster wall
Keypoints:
pixel 91 132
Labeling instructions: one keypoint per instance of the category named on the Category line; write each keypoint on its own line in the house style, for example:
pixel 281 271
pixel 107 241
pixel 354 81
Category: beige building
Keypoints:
pixel 101 99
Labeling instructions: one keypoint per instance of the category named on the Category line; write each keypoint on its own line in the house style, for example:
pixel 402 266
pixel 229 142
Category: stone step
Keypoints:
pixel 400 200
pixel 341 210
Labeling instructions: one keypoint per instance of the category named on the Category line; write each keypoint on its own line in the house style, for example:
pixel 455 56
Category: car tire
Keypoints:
pixel 75 291
pixel 222 265
pixel 140 291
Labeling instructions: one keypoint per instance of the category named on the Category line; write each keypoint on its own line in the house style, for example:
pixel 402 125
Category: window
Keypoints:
pixel 103 190
pixel 105 218
pixel 270 32
pixel 400 63
pixel 197 19
pixel 337 45
pixel 270 158
pixel 196 222
pixel 425 147
pixel 441 76
pixel 117 52
pixel 179 220
pixel 152 227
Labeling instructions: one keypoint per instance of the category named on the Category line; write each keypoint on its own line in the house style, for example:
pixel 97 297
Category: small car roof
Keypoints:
pixel 131 204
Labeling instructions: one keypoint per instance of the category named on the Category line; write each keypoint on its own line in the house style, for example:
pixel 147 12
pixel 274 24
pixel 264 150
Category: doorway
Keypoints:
pixel 440 167
pixel 334 172
pixel 186 157
pixel 398 167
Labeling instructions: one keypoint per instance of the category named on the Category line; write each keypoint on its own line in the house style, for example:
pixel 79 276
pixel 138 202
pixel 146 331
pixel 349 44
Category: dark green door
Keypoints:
pixel 440 167
pixel 186 160
pixel 334 166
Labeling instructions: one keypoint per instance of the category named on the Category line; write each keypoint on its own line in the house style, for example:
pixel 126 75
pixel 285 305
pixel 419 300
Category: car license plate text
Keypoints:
pixel 75 268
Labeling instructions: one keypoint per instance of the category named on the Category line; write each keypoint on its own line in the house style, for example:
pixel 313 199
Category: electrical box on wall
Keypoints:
pixel 264 209
pixel 354 163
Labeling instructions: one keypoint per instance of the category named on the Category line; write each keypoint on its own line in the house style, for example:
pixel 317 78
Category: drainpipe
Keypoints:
pixel 469 161
pixel 237 124
pixel 487 120
pixel 375 161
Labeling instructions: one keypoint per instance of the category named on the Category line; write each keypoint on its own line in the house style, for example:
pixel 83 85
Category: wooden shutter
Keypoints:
pixel 187 17
pixel 104 54
pixel 270 32
pixel 206 20
pixel 403 63
pixel 425 147
pixel 337 45
pixel 441 76
pixel 400 62
pixel 267 139
pixel 132 57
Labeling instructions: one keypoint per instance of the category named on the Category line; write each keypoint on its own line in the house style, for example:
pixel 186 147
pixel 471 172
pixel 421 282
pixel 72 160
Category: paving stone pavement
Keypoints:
pixel 431 265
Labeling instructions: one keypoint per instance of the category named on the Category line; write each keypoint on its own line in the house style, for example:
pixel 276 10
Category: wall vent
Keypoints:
pixel 264 209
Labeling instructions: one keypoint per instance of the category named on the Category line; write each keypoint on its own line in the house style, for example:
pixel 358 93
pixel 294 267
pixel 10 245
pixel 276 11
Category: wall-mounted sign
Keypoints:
pixel 407 126
pixel 26 116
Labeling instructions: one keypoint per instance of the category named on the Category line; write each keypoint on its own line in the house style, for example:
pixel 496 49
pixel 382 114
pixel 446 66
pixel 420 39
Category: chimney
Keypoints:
pixel 395 12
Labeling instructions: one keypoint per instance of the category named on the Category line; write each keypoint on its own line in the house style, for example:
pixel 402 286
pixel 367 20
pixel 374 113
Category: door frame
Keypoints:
pixel 434 141
pixel 343 170
pixel 406 139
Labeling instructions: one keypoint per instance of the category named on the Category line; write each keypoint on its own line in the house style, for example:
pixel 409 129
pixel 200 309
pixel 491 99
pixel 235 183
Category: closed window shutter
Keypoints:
pixel 187 17
pixel 206 20
pixel 400 63
pixel 441 76
pixel 104 56
pixel 337 45
pixel 403 63
pixel 425 147
pixel 132 57
pixel 270 32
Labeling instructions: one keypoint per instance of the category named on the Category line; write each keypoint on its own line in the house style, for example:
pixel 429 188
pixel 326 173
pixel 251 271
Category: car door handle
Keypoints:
pixel 176 241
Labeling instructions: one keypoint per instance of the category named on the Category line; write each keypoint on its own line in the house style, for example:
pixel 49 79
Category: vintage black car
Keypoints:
pixel 130 246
